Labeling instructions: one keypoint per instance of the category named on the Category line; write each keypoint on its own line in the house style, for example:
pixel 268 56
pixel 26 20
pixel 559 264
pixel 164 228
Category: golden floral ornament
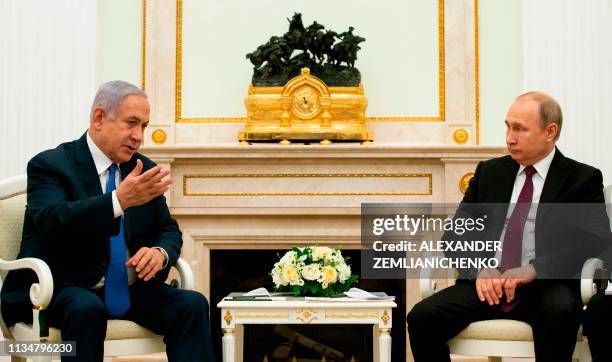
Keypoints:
pixel 385 317
pixel 460 136
pixel 159 136
pixel 307 315
pixel 464 182
pixel 228 318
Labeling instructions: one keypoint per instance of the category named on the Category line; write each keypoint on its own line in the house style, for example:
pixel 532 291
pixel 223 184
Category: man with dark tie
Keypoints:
pixel 521 288
pixel 97 216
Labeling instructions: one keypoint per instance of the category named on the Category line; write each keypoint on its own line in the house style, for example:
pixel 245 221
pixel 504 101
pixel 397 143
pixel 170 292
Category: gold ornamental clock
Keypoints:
pixel 306 102
pixel 305 109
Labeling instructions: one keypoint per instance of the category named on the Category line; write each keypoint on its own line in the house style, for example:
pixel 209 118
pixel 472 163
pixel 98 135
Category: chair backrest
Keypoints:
pixel 608 196
pixel 12 208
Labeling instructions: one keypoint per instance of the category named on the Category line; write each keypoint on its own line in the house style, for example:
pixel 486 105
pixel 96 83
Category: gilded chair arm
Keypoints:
pixel 587 282
pixel 41 292
pixel 184 269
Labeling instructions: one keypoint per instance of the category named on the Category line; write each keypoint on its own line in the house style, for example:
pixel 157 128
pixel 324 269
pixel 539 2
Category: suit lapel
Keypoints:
pixel 505 184
pixel 555 178
pixel 86 168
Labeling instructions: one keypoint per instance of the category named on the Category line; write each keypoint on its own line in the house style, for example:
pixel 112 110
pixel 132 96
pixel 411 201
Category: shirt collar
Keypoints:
pixel 543 165
pixel 101 161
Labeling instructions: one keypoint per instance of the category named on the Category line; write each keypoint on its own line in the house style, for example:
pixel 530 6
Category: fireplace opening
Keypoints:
pixel 243 270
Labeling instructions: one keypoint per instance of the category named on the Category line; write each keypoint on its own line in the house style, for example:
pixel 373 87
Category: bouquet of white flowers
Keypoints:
pixel 313 270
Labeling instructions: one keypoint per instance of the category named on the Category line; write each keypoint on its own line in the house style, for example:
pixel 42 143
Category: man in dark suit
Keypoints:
pixel 535 172
pixel 97 216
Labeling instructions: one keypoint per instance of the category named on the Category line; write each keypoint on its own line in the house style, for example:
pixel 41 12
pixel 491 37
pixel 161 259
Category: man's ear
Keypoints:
pixel 551 131
pixel 97 118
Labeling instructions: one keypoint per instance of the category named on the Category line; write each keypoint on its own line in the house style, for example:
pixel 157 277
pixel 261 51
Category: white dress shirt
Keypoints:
pixel 538 179
pixel 102 163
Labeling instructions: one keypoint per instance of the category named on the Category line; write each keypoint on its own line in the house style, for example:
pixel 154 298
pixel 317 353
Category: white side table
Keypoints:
pixel 295 310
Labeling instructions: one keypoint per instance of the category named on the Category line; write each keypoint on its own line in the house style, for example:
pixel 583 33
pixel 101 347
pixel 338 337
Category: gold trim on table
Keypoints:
pixel 307 315
pixel 350 315
pixel 385 317
pixel 228 317
pixel 261 315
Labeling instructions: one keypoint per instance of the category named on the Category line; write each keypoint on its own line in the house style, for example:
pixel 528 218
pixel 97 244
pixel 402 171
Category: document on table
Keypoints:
pixel 259 294
pixel 353 295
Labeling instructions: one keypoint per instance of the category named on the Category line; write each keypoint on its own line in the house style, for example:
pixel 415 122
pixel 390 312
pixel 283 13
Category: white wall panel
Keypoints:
pixel 568 54
pixel 47 76
pixel 398 61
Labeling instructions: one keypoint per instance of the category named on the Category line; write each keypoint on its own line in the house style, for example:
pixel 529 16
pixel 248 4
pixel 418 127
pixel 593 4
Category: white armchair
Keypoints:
pixel 123 338
pixel 497 338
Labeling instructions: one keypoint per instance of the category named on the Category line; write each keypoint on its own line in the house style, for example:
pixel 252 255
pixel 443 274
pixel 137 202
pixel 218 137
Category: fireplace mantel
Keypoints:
pixel 268 196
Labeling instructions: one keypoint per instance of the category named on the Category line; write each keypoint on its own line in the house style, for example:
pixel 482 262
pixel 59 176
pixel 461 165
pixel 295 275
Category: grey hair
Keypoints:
pixel 549 109
pixel 110 95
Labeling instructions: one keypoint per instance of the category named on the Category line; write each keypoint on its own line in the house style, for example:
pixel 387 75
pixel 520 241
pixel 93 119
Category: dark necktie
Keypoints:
pixel 513 239
pixel 116 294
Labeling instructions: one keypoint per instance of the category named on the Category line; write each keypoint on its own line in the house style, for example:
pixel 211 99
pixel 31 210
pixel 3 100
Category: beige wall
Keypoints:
pixel 119 41
pixel 501 64
pixel 119 55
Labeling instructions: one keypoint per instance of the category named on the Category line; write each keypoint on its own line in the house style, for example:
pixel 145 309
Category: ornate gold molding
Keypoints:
pixel 429 190
pixel 351 315
pixel 441 64
pixel 307 315
pixel 178 91
pixel 143 50
pixel 441 79
pixel 262 315
pixel 460 136
pixel 476 74
pixel 159 136
pixel 385 317
pixel 228 317
pixel 464 182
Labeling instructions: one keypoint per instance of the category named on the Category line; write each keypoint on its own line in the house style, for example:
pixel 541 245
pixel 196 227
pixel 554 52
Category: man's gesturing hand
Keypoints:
pixel 138 189
pixel 489 286
pixel 147 262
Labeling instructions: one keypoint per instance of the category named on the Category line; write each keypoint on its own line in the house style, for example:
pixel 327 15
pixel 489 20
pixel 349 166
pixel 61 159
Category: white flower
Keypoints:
pixel 336 257
pixel 321 252
pixel 277 277
pixel 288 258
pixel 344 272
pixel 291 274
pixel 329 275
pixel 311 272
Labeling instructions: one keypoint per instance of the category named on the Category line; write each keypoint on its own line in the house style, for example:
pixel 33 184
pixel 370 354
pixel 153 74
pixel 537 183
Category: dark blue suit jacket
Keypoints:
pixel 571 219
pixel 68 222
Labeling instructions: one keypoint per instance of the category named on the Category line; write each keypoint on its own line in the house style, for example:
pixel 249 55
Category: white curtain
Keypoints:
pixel 47 76
pixel 568 54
